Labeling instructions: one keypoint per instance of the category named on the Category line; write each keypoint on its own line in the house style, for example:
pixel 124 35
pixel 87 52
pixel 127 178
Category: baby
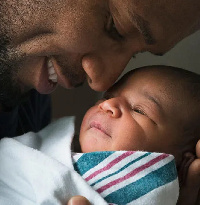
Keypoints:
pixel 154 109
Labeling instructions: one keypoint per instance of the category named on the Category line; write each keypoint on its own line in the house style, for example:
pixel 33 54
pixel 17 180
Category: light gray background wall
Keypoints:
pixel 185 54
pixel 75 102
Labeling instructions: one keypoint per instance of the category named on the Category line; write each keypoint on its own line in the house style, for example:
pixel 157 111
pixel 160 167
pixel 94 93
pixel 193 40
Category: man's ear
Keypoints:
pixel 187 159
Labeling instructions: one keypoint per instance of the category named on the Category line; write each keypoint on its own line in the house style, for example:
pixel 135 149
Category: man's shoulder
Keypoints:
pixel 31 115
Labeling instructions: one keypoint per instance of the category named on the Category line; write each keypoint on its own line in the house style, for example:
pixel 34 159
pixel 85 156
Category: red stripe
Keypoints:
pixel 132 173
pixel 111 164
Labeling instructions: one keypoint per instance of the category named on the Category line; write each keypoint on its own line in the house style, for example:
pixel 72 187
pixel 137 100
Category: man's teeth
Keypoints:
pixel 53 78
pixel 52 73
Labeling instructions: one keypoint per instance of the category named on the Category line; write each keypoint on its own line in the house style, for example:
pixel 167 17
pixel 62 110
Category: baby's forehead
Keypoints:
pixel 165 77
pixel 158 82
pixel 168 80
pixel 147 77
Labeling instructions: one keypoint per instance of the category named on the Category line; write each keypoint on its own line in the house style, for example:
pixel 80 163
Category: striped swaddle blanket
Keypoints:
pixel 128 177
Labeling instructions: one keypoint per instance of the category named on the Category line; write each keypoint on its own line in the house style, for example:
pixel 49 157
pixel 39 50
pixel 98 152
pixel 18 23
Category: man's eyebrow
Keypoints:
pixel 143 27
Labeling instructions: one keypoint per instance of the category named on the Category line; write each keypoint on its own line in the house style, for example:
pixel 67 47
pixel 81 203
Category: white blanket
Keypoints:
pixel 37 168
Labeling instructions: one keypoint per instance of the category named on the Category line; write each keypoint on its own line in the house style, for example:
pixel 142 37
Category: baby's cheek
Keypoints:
pixel 130 143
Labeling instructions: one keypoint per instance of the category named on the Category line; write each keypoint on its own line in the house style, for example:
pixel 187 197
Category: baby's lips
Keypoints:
pixel 99 126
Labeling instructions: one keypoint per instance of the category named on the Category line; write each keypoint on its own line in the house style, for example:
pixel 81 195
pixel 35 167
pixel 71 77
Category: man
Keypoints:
pixel 43 43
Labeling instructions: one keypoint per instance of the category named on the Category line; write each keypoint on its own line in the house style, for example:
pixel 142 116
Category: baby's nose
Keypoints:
pixel 111 107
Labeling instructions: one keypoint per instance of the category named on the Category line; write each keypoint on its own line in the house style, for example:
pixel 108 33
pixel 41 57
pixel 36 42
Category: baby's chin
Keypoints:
pixel 87 148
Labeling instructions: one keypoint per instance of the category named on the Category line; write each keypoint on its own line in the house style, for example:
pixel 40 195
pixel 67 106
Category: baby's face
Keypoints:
pixel 138 114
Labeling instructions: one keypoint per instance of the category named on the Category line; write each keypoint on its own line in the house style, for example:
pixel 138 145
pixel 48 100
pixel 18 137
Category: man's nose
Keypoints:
pixel 111 107
pixel 104 69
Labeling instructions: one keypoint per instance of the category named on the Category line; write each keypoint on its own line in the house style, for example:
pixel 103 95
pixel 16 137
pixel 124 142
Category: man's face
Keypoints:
pixel 142 113
pixel 45 42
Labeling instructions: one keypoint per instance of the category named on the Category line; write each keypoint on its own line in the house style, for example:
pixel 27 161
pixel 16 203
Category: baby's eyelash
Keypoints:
pixel 138 110
pixel 141 111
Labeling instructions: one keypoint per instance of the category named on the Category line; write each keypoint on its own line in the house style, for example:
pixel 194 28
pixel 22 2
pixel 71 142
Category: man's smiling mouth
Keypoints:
pixel 53 77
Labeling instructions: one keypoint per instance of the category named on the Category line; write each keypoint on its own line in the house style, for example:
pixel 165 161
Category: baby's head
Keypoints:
pixel 154 109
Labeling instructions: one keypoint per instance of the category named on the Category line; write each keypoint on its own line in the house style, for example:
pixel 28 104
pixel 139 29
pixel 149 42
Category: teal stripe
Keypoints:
pixel 127 165
pixel 135 190
pixel 90 160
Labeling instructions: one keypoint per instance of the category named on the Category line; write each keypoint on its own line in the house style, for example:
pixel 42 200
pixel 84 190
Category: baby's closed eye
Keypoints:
pixel 138 110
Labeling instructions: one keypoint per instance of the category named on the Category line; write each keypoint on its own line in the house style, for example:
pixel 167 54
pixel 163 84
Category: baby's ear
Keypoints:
pixel 187 159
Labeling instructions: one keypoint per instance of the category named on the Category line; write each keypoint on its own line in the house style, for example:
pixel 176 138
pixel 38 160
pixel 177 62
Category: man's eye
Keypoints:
pixel 112 30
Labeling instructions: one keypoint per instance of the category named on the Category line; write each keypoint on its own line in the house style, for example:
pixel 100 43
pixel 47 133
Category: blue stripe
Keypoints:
pixel 135 190
pixel 90 160
pixel 127 165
